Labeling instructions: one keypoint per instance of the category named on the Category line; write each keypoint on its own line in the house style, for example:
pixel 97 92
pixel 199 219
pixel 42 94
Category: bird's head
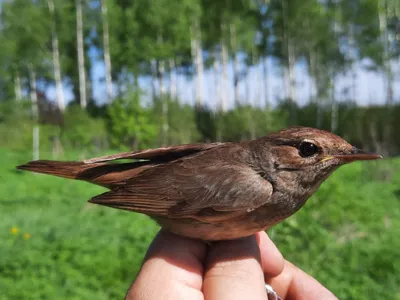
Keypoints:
pixel 297 160
pixel 304 148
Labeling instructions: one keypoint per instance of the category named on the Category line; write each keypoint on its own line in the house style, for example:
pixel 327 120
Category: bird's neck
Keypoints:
pixel 293 188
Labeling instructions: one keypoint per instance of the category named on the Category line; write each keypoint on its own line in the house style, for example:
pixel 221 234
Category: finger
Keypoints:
pixel 233 271
pixel 271 259
pixel 295 284
pixel 172 269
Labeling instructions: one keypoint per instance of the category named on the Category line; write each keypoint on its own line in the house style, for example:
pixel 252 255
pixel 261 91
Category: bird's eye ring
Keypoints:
pixel 307 149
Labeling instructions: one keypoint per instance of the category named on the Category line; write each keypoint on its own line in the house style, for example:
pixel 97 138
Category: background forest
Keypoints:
pixel 80 78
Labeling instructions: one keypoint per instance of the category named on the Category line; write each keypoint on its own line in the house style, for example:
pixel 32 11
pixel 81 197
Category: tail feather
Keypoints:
pixel 57 168
pixel 103 174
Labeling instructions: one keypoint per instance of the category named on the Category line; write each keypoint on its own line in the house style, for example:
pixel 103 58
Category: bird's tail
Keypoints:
pixel 66 169
pixel 104 174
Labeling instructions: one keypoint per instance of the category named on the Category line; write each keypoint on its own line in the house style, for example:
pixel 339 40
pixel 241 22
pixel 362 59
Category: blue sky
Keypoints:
pixel 369 85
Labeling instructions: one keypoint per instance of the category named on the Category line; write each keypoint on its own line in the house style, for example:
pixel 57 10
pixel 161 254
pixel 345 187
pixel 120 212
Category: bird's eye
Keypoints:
pixel 307 149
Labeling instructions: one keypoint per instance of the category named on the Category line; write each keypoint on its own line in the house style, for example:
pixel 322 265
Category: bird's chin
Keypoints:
pixel 329 166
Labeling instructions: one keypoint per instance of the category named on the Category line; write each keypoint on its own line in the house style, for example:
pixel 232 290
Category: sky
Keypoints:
pixel 370 86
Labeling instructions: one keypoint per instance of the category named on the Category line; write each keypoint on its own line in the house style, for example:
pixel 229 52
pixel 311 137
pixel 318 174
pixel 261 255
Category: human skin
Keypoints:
pixel 180 268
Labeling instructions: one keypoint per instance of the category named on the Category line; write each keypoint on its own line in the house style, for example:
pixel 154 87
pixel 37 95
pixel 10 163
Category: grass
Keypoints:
pixel 56 246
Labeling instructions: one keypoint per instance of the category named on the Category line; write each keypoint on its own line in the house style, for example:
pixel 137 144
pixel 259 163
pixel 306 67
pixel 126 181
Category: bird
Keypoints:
pixel 215 191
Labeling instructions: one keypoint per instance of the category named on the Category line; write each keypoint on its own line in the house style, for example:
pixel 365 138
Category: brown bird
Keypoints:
pixel 216 191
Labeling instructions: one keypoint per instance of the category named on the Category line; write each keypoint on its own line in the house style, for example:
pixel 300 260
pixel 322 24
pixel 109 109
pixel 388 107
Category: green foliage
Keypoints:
pixel 131 124
pixel 128 124
pixel 15 124
pixel 81 131
pixel 246 122
pixel 207 124
pixel 180 119
pixel 347 236
pixel 26 32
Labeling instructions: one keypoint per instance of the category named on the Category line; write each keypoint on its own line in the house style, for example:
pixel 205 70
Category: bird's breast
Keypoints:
pixel 250 223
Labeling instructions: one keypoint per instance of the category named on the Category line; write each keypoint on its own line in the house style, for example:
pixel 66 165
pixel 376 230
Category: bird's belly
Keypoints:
pixel 227 230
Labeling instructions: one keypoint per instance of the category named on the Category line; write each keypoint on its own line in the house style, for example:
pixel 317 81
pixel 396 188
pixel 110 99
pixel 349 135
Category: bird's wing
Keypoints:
pixel 209 190
pixel 101 172
pixel 157 154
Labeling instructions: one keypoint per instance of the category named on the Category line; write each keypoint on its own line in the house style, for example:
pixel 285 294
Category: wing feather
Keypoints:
pixel 159 154
pixel 194 188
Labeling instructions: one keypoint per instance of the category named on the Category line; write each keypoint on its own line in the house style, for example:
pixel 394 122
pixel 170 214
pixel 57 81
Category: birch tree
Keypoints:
pixel 224 67
pixel 389 11
pixel 289 52
pixel 81 54
pixel 106 49
pixel 197 58
pixel 35 113
pixel 29 52
pixel 264 27
pixel 217 81
pixel 56 57
pixel 287 18
pixel 173 85
pixel 234 47
pixel 17 86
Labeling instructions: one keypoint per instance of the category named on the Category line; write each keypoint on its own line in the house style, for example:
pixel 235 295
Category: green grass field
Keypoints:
pixel 56 246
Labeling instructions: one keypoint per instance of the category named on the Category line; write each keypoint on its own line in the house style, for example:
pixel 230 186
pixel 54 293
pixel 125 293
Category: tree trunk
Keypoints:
pixel 232 30
pixel 197 58
pixel 387 66
pixel 164 104
pixel 256 94
pixel 81 54
pixel 218 96
pixel 17 86
pixel 290 54
pixel 161 76
pixel 353 58
pixel 313 76
pixel 172 79
pixel 224 69
pixel 193 46
pixel 266 82
pixel 135 143
pixel 56 58
pixel 57 148
pixel 217 81
pixel 224 81
pixel 335 110
pixel 153 66
pixel 315 93
pixel 35 113
pixel 247 85
pixel 291 76
pixel 259 80
pixel 165 125
pixel 319 115
pixel 106 46
pixel 199 66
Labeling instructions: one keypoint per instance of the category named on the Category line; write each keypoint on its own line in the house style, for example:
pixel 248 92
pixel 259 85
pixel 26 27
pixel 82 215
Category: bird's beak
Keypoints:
pixel 357 154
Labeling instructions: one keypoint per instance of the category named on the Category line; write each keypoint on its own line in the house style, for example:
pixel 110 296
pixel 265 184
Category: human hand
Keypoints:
pixel 181 268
